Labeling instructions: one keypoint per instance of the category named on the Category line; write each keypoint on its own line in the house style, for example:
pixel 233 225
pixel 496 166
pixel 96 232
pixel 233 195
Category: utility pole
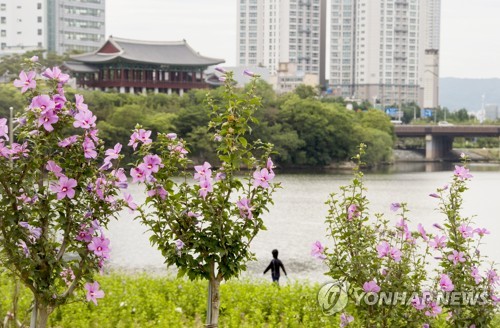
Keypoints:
pixel 11 125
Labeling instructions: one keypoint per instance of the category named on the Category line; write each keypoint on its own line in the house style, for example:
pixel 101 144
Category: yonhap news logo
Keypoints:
pixel 333 297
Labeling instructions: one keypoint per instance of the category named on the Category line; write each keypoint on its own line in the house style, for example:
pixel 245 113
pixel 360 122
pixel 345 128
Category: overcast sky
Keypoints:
pixel 470 30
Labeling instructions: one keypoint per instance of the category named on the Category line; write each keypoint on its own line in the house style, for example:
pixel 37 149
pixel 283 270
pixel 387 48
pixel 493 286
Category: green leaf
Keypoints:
pixel 243 141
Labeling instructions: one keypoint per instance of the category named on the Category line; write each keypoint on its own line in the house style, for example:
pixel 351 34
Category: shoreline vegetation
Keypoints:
pixel 308 132
pixel 143 300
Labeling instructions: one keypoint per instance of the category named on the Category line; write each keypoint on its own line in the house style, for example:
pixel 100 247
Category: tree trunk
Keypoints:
pixel 213 302
pixel 40 315
pixel 15 301
pixel 43 316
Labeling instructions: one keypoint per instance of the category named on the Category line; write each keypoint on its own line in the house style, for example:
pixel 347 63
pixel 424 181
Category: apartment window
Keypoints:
pixel 39 6
pixel 39 19
pixel 3 20
pixel 3 33
pixel 3 45
pixel 2 6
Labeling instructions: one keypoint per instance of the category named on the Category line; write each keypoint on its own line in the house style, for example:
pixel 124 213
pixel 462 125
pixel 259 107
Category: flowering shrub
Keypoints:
pixel 56 197
pixel 205 228
pixel 377 262
pixel 462 268
pixel 370 256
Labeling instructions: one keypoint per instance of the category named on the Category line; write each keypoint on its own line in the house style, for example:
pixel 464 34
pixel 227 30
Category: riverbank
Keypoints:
pixel 490 155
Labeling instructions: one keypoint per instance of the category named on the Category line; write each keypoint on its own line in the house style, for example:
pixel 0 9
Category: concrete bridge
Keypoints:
pixel 439 139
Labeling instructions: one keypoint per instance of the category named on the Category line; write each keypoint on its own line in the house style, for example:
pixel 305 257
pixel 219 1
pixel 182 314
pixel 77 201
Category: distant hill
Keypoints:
pixel 456 93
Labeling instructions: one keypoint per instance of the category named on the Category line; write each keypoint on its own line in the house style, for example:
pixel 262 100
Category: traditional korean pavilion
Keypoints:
pixel 141 66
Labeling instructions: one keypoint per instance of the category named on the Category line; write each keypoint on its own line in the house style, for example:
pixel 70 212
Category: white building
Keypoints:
pixel 54 25
pixel 281 33
pixel 379 50
pixel 22 25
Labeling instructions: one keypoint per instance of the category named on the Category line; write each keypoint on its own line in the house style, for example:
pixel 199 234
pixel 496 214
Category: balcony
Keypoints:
pixel 400 56
pixel 305 3
pixel 303 58
pixel 401 28
pixel 305 30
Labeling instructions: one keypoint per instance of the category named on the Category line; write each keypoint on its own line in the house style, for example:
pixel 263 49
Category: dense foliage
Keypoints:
pixel 305 130
pixel 376 262
pixel 144 301
pixel 205 229
pixel 56 196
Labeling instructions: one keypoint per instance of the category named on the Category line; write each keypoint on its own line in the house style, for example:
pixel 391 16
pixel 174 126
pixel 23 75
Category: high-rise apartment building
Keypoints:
pixel 54 25
pixel 385 51
pixel 75 25
pixel 283 36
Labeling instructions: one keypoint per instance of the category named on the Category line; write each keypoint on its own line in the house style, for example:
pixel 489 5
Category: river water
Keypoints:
pixel 297 218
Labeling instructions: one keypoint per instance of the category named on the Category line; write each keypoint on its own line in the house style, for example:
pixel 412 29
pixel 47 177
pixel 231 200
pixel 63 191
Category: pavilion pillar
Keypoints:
pixel 156 90
pixel 181 92
pixel 169 91
pixel 122 89
pixel 144 90
pixel 132 90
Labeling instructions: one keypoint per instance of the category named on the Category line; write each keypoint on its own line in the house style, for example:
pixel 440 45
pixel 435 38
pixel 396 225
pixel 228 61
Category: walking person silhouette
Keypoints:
pixel 274 266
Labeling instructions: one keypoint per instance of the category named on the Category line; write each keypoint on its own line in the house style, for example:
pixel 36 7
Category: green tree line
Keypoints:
pixel 305 130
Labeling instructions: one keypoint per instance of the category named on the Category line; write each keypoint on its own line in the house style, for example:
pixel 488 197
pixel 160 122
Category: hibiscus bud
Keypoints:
pixel 249 73
pixel 220 69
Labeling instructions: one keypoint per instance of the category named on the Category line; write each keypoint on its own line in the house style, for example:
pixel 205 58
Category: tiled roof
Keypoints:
pixel 154 52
